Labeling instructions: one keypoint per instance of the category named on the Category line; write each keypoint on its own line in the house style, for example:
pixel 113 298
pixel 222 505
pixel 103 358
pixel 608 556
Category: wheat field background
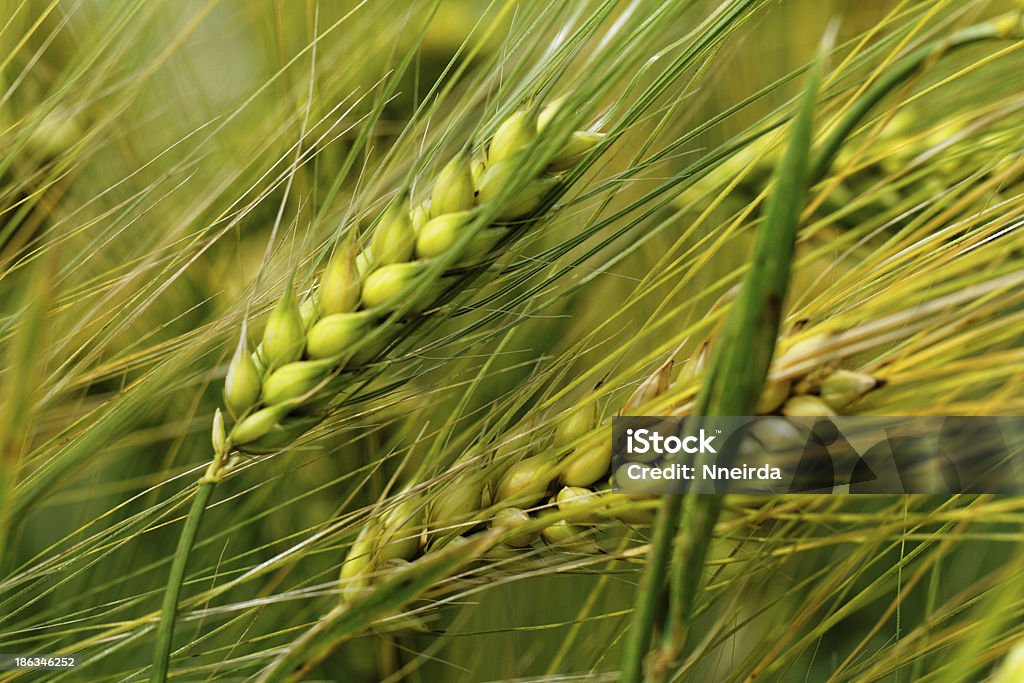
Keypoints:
pixel 168 167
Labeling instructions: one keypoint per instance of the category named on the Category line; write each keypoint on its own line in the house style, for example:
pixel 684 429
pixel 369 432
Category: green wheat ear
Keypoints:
pixel 573 476
pixel 359 290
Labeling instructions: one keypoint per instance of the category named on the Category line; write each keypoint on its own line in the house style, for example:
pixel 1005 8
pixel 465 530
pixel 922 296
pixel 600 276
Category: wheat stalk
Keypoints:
pixel 284 387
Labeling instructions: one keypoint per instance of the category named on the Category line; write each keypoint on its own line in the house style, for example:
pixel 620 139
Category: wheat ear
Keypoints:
pixel 282 388
pixel 276 392
pixel 573 475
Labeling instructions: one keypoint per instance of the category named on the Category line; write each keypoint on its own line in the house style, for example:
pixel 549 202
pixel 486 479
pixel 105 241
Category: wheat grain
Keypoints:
pixel 515 517
pixel 842 387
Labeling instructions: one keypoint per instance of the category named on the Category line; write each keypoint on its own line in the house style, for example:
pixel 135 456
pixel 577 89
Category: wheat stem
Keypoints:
pixel 169 607
pixel 732 386
pixel 650 590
